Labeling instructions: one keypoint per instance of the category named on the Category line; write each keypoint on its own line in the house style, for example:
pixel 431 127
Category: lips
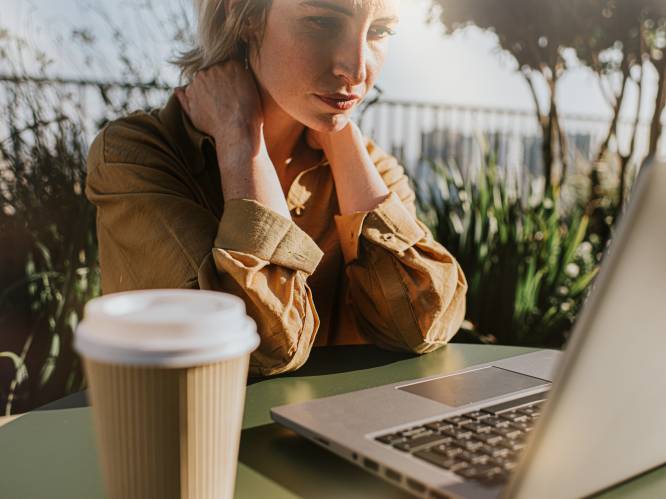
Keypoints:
pixel 340 102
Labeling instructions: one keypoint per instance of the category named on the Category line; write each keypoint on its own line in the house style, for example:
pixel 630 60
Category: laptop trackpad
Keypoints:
pixel 473 386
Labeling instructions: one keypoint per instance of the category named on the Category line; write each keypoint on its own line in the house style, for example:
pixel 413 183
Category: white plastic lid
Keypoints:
pixel 166 328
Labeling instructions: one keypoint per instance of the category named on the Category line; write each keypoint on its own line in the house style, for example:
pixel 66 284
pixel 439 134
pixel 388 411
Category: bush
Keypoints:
pixel 528 262
pixel 48 266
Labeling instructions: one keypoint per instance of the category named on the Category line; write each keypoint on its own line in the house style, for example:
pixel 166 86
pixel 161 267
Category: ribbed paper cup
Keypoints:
pixel 167 371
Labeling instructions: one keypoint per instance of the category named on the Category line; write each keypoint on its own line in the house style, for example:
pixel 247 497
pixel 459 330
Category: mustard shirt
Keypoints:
pixel 317 279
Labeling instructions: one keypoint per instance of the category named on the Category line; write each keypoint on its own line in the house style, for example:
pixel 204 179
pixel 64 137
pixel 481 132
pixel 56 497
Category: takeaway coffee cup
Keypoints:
pixel 167 372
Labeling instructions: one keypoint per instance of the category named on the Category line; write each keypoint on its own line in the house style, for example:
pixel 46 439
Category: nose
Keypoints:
pixel 351 61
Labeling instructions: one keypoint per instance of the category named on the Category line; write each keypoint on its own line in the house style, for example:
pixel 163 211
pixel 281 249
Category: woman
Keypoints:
pixel 253 180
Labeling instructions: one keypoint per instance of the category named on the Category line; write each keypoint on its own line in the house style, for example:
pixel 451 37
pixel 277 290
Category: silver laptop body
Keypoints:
pixel 604 418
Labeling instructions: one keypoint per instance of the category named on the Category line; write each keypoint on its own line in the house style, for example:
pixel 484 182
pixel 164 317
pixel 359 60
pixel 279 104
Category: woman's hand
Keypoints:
pixel 329 141
pixel 223 101
pixel 358 184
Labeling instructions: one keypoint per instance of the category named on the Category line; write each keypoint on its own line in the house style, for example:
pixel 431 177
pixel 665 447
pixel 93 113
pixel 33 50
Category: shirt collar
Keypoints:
pixel 192 141
pixel 189 140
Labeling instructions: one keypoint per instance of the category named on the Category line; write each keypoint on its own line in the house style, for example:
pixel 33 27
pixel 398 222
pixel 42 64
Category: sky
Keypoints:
pixel 424 63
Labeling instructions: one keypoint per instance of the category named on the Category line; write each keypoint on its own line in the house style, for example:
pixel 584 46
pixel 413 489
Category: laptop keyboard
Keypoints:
pixel 481 445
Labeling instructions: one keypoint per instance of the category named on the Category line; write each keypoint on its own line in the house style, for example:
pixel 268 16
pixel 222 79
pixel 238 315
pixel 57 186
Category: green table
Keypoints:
pixel 50 454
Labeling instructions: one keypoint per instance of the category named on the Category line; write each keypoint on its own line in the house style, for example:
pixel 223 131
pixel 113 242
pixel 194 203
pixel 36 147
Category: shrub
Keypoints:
pixel 527 261
pixel 48 266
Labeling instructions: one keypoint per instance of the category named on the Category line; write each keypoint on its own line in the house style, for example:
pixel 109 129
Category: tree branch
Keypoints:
pixel 659 104
pixel 617 107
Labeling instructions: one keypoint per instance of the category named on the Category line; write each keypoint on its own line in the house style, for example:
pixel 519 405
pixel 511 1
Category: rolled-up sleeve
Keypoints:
pixel 266 258
pixel 154 233
pixel 406 290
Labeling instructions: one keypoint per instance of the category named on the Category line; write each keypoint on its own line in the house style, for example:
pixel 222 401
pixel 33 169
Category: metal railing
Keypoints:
pixel 411 131
pixel 414 131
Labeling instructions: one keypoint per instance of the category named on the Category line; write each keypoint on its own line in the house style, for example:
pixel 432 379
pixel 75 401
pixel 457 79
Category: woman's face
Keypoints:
pixel 315 48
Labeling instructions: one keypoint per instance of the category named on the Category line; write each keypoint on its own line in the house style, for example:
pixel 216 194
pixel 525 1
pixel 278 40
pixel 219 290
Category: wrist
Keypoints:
pixel 241 142
pixel 241 154
pixel 350 136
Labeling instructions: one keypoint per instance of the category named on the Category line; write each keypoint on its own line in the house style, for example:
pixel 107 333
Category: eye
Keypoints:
pixel 323 22
pixel 381 32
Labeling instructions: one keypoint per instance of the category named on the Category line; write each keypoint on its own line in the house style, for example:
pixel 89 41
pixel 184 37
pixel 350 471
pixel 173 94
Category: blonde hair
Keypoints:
pixel 223 35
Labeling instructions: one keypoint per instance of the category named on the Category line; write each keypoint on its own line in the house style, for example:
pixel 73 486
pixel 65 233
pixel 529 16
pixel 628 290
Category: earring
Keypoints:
pixel 247 59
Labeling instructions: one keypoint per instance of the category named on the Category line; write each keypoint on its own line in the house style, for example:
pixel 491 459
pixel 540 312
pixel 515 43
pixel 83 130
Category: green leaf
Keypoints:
pixel 582 283
pixel 20 370
pixel 16 360
pixel 50 363
pixel 576 238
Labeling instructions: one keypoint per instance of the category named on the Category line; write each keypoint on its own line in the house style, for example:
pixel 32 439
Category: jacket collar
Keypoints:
pixel 190 141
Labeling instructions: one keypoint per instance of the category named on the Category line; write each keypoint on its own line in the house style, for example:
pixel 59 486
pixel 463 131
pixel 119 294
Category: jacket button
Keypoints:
pixel 387 237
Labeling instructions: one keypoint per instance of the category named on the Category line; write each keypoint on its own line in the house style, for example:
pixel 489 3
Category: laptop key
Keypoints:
pixel 515 416
pixel 464 455
pixel 454 452
pixel 509 465
pixel 524 426
pixel 497 422
pixel 448 450
pixel 516 445
pixel 459 465
pixel 503 423
pixel 480 459
pixel 473 445
pixel 434 458
pixel 414 431
pixel 462 434
pixel 445 441
pixel 474 426
pixel 478 415
pixel 511 432
pixel 439 425
pixel 515 434
pixel 500 452
pixel 530 411
pixel 491 439
pixel 486 449
pixel 457 420
pixel 457 434
pixel 421 441
pixel 390 439
pixel 492 420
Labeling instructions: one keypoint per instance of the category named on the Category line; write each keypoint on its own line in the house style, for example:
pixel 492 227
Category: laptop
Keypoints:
pixel 545 424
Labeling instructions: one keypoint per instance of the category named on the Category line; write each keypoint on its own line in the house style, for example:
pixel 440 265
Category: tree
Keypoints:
pixel 624 38
pixel 534 32
pixel 654 34
pixel 537 32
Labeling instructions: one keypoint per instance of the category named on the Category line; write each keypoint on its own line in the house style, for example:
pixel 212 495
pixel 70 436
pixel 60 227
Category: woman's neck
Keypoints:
pixel 281 132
